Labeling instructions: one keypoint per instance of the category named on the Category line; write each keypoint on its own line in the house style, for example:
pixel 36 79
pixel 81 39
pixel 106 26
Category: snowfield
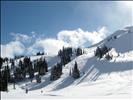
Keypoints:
pixel 98 77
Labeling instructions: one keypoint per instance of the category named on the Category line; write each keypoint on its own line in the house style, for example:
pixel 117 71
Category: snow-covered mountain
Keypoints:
pixel 98 77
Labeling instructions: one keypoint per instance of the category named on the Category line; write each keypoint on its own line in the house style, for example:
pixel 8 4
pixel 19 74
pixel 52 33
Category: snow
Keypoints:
pixel 112 86
pixel 99 77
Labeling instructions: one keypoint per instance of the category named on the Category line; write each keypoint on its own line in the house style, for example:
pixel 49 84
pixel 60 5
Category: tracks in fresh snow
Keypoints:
pixel 91 75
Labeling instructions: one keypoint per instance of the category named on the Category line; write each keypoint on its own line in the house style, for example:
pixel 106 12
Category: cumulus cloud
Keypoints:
pixel 79 37
pixel 50 46
pixel 74 38
pixel 11 49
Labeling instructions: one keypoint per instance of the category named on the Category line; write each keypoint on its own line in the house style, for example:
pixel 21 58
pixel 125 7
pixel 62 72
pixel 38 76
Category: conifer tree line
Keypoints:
pixel 23 69
pixel 66 53
pixel 28 69
pixel 56 72
pixel 4 78
pixel 4 74
pixel 41 66
pixel 101 51
pixel 40 53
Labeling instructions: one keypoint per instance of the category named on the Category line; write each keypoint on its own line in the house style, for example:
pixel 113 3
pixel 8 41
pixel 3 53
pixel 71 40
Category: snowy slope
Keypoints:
pixel 94 68
pixel 99 77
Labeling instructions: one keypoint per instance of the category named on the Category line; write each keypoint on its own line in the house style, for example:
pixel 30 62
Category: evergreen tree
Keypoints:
pixel 79 52
pixel 59 69
pixel 4 80
pixel 31 72
pixel 38 53
pixel 1 62
pixel 53 74
pixel 20 64
pixel 8 73
pixel 26 64
pixel 12 64
pixel 42 67
pixel 75 72
pixel 104 50
pixel 56 72
pixel 6 59
pixel 22 68
pixel 45 65
pixel 98 52
pixel 18 74
pixel 36 62
pixel 65 55
pixel 101 51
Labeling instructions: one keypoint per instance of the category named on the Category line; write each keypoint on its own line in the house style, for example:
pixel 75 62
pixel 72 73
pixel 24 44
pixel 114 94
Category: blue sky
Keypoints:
pixel 51 17
pixel 48 18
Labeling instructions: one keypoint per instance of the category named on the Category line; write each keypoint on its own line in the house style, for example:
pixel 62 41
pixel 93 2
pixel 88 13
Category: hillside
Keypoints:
pixel 98 77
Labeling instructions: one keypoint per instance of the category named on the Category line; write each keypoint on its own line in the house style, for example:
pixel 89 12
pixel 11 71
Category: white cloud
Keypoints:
pixel 74 38
pixel 79 37
pixel 20 37
pixel 50 46
pixel 11 49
